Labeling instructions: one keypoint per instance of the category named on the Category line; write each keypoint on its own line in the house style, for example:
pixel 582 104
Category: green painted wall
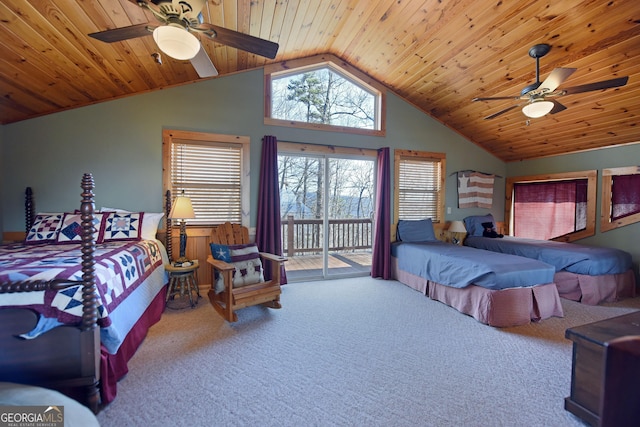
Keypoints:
pixel 120 142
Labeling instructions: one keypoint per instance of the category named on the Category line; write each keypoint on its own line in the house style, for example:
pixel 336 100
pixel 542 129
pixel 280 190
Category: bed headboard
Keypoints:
pixel 29 209
pixel 87 248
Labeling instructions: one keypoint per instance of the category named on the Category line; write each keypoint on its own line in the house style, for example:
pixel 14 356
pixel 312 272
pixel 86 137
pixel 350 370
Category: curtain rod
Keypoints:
pixel 471 170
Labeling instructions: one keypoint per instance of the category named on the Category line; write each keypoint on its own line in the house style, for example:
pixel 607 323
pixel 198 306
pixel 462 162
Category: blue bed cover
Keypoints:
pixel 460 266
pixel 579 259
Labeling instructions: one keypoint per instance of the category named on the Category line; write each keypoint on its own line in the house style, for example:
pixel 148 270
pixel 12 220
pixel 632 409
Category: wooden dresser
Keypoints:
pixel 588 362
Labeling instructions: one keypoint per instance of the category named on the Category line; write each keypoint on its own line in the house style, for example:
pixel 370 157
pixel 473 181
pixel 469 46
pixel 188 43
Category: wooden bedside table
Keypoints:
pixel 183 280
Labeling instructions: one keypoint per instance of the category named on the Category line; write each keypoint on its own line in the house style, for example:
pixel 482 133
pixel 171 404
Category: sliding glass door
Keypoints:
pixel 327 213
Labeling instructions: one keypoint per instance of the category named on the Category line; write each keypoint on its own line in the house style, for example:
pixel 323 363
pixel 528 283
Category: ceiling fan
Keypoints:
pixel 539 98
pixel 178 20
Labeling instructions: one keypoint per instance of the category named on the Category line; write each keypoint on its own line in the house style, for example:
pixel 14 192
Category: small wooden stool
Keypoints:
pixel 183 280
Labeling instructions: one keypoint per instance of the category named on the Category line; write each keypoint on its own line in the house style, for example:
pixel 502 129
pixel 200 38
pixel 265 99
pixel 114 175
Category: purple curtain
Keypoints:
pixel 381 259
pixel 544 210
pixel 268 234
pixel 625 196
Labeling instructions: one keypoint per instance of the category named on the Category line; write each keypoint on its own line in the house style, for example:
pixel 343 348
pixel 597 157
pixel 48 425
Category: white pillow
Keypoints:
pixel 150 222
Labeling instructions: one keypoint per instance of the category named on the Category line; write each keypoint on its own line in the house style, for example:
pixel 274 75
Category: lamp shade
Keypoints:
pixel 176 42
pixel 182 208
pixel 537 109
pixel 457 227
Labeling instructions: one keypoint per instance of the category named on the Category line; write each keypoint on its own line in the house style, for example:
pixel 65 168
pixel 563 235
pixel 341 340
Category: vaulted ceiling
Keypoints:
pixel 436 54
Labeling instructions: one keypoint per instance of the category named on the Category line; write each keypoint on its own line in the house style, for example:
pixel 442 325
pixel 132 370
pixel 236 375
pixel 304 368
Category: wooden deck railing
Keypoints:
pixel 304 236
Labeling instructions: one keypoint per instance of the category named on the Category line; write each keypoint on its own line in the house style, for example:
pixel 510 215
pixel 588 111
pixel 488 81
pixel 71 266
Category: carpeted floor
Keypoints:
pixel 352 352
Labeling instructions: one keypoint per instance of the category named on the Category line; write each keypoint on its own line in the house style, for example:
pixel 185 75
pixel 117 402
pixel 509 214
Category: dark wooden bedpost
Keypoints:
pixel 90 340
pixel 169 240
pixel 29 209
pixel 89 296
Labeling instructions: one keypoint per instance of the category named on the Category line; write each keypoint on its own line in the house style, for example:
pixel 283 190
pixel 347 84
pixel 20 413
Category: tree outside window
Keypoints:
pixel 322 96
pixel 323 93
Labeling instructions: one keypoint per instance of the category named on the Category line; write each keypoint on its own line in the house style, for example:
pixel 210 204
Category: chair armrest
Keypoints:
pixel 272 257
pixel 219 265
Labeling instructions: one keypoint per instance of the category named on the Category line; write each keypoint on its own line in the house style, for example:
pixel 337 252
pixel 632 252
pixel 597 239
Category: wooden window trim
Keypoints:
pixel 419 155
pixel 168 137
pixel 605 208
pixel 592 178
pixel 349 72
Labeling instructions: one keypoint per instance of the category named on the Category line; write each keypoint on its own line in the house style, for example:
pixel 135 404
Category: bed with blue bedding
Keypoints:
pixel 495 289
pixel 588 274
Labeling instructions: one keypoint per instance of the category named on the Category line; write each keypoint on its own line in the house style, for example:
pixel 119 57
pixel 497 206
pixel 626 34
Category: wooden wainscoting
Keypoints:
pixel 13 236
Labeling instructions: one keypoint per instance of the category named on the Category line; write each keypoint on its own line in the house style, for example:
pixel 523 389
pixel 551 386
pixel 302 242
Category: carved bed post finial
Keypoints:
pixel 168 240
pixel 29 209
pixel 89 295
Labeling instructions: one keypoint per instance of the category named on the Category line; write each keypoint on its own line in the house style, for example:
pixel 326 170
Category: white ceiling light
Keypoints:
pixel 176 42
pixel 537 109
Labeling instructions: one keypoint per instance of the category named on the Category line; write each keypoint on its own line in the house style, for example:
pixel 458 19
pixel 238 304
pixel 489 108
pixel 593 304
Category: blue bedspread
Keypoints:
pixel 579 259
pixel 459 266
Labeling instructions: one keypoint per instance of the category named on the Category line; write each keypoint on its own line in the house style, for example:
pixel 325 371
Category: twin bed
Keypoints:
pixel 588 274
pixel 495 289
pixel 78 297
pixel 505 288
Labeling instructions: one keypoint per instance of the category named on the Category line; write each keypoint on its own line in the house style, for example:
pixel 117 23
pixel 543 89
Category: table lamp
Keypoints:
pixel 456 227
pixel 182 210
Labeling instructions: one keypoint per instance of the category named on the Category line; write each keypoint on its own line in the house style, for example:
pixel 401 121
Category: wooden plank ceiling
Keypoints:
pixel 436 54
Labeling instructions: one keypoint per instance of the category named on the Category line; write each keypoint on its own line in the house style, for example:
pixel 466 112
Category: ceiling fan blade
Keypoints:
pixel 557 107
pixel 203 64
pixel 501 112
pixel 605 84
pixel 241 41
pixel 555 79
pixel 124 33
pixel 495 98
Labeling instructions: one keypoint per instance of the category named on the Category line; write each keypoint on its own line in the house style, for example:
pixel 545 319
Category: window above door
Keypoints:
pixel 324 93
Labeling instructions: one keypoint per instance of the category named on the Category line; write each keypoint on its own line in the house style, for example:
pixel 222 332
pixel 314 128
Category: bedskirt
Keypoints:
pixel 114 367
pixel 499 308
pixel 593 290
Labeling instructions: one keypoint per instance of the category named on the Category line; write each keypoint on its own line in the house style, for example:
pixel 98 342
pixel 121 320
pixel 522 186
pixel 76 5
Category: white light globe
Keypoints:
pixel 176 42
pixel 537 109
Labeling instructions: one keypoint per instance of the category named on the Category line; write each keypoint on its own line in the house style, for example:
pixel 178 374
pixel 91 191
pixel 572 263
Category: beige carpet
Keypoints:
pixel 353 352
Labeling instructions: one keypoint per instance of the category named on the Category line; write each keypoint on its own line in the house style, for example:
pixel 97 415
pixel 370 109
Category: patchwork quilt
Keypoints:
pixel 120 268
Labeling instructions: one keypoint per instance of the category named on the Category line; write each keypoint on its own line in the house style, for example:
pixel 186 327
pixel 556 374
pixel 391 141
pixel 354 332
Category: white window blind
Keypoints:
pixel 210 173
pixel 419 188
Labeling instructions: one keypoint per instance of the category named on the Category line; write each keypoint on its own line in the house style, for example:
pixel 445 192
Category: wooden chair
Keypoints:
pixel 233 298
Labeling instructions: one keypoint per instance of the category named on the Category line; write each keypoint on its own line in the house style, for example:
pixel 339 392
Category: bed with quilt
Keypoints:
pixel 71 264
pixel 496 290
pixel 588 274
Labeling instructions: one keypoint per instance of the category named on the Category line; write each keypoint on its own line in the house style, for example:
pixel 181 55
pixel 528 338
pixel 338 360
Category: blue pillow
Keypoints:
pixel 416 231
pixel 474 224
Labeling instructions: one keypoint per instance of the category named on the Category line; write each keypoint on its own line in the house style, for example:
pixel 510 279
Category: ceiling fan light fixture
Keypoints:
pixel 537 109
pixel 176 42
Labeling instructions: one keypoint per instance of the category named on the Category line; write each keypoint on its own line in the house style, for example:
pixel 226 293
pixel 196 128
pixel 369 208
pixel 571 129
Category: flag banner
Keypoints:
pixel 475 190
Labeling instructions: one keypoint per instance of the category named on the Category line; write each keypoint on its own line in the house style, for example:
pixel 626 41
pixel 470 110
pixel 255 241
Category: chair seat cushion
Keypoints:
pixel 246 260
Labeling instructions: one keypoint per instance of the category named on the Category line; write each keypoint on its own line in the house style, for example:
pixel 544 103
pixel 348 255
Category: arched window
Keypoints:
pixel 323 93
